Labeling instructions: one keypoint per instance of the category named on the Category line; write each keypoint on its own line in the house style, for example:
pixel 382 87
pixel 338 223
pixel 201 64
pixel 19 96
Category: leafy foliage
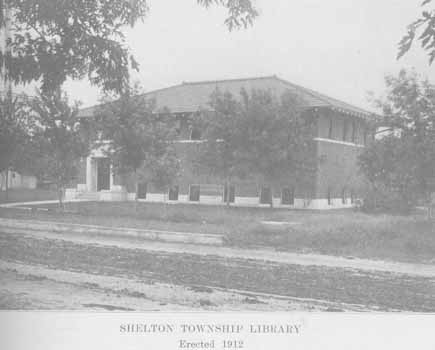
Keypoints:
pixel 241 13
pixel 59 140
pixel 138 139
pixel 423 30
pixel 403 160
pixel 12 131
pixel 52 40
pixel 258 136
pixel 218 153
pixel 55 39
pixel 276 136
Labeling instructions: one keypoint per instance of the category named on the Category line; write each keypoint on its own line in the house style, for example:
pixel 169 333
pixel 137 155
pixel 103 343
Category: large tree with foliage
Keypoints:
pixel 218 154
pixel 276 136
pixel 403 159
pixel 13 136
pixel 52 40
pixel 258 135
pixel 138 140
pixel 59 139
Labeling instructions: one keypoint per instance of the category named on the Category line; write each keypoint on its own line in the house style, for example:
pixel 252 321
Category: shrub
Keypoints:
pixel 380 199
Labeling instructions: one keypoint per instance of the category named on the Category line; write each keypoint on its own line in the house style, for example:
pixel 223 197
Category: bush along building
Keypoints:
pixel 340 132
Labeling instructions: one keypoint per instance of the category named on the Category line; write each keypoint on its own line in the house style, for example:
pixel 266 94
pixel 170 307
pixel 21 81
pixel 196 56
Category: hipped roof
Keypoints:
pixel 189 97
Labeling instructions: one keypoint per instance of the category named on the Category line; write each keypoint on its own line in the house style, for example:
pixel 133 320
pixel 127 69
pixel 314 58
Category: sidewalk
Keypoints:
pixel 261 255
pixel 51 201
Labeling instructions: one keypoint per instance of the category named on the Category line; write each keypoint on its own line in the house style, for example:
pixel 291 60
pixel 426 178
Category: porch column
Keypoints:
pixel 112 177
pixel 89 174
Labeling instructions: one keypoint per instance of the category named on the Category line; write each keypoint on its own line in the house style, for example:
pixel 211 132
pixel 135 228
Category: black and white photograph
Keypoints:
pixel 217 156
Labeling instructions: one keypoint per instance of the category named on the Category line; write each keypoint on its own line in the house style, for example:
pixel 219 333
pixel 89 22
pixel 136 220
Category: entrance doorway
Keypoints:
pixel 103 174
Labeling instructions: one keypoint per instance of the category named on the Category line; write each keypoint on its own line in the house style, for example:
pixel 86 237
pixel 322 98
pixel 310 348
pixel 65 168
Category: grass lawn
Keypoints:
pixel 26 195
pixel 337 232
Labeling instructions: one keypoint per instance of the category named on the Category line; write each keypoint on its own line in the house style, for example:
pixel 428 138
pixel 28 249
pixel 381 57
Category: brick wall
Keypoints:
pixel 338 165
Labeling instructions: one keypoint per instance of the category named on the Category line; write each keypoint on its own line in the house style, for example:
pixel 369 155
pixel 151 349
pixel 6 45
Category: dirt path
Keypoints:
pixel 38 287
pixel 374 291
pixel 422 270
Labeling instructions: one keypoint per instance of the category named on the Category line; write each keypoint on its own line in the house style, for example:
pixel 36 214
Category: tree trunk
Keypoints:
pixel 7 184
pixel 165 205
pixel 271 196
pixel 136 185
pixel 60 197
pixel 227 186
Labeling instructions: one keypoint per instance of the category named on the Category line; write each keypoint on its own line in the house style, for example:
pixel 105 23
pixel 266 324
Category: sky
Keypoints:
pixel 342 48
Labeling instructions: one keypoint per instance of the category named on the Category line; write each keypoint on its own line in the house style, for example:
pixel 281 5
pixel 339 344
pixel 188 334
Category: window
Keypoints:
pixel 365 136
pixel 329 196
pixel 142 190
pixel 195 134
pixel 343 196
pixel 265 195
pixel 331 122
pixel 194 193
pixel 173 193
pixel 232 193
pixel 352 197
pixel 345 129
pixel 288 196
pixel 353 131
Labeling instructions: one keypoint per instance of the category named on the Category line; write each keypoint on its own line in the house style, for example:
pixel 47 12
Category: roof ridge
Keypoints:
pixel 227 80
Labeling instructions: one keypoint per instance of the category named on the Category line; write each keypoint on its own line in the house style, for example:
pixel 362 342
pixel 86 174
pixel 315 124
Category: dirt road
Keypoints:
pixel 111 277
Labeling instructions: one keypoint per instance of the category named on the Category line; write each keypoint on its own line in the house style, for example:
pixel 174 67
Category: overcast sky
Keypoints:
pixel 342 48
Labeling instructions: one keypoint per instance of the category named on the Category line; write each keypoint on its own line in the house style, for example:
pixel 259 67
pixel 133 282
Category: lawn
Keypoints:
pixel 337 232
pixel 26 195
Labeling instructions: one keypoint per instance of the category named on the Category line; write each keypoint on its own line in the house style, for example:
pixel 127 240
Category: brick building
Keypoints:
pixel 341 132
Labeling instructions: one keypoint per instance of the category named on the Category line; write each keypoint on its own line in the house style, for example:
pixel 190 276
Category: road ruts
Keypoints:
pixel 384 290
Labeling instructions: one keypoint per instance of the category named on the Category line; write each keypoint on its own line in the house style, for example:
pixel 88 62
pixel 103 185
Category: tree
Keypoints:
pixel 259 136
pixel 138 140
pixel 51 40
pixel 276 137
pixel 58 138
pixel 14 137
pixel 218 155
pixel 423 30
pixel 403 160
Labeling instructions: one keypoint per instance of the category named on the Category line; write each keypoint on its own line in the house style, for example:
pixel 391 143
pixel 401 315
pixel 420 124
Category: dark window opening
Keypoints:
pixel 265 195
pixel 343 196
pixel 173 193
pixel 353 131
pixel 345 129
pixel 331 122
pixel 142 190
pixel 352 197
pixel 194 193
pixel 195 134
pixel 103 174
pixel 232 193
pixel 288 196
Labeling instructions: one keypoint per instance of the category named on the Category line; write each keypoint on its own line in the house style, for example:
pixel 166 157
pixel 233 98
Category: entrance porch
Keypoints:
pixel 100 184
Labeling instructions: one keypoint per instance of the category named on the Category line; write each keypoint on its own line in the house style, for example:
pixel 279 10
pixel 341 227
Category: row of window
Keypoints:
pixel 346 196
pixel 287 194
pixel 349 131
pixel 265 195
